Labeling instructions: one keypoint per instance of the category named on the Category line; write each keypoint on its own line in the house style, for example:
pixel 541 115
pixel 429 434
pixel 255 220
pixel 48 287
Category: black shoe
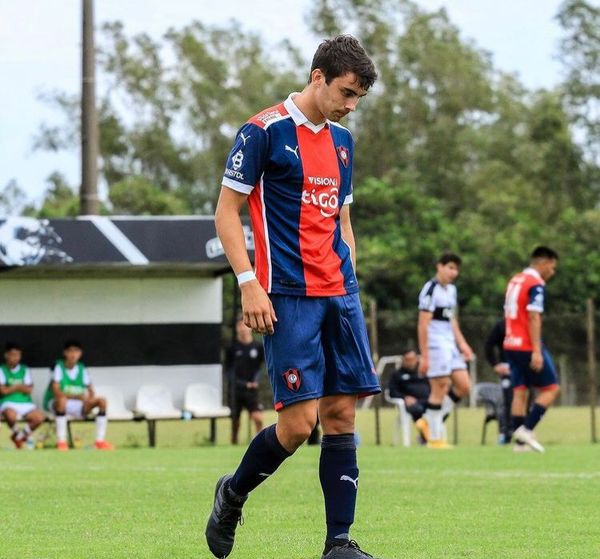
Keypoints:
pixel 223 520
pixel 343 549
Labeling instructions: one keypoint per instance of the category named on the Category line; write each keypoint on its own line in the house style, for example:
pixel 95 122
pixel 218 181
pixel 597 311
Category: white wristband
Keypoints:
pixel 246 277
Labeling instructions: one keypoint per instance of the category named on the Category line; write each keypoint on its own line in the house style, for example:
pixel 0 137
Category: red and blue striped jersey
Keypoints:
pixel 297 176
pixel 524 294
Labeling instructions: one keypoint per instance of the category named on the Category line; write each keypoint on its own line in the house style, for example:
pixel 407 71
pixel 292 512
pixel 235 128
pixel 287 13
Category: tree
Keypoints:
pixel 580 53
pixel 171 109
pixel 12 199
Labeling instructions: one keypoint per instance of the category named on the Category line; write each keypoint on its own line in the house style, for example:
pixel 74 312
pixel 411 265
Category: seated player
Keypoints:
pixel 15 395
pixel 70 392
pixel 406 383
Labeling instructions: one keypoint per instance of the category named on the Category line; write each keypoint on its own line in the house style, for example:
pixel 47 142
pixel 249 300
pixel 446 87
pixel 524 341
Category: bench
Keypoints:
pixel 151 401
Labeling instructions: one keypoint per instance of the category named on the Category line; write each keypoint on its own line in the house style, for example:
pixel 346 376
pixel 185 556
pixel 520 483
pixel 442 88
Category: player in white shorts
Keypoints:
pixel 443 347
pixel 70 393
pixel 15 395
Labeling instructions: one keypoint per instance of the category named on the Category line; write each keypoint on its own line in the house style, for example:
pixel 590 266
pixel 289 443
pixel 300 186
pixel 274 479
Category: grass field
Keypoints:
pixel 471 502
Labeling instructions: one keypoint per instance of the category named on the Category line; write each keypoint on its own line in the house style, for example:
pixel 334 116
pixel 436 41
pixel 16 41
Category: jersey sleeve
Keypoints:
pixel 349 198
pixel 2 377
pixel 28 380
pixel 535 299
pixel 57 374
pixel 426 302
pixel 86 377
pixel 246 160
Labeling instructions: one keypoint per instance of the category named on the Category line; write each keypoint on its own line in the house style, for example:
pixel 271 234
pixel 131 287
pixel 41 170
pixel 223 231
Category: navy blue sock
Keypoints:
pixel 454 396
pixel 338 473
pixel 517 421
pixel 535 415
pixel 264 455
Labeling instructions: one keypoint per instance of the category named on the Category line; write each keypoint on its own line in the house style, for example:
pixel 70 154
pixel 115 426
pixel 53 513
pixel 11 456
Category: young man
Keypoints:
pixel 443 347
pixel 70 392
pixel 243 362
pixel 15 395
pixel 530 362
pixel 293 164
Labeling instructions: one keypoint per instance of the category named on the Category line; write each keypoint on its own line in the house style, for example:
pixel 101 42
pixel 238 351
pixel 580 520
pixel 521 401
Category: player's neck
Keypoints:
pixel 442 282
pixel 305 101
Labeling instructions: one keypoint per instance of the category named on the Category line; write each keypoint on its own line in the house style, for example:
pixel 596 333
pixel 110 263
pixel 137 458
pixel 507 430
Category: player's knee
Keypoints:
pixel 60 404
pixel 101 403
pixel 35 419
pixel 338 419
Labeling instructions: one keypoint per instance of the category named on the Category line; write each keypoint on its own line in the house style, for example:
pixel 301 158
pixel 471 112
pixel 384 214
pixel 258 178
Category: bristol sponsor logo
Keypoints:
pixel 234 174
pixel 327 202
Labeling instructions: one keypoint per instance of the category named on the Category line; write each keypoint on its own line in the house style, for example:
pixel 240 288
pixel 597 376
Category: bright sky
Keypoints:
pixel 40 52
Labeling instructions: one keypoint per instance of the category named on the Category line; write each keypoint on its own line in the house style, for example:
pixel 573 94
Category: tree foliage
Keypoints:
pixel 452 154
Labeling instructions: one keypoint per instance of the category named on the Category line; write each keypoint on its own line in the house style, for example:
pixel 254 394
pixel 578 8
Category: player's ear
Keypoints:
pixel 317 77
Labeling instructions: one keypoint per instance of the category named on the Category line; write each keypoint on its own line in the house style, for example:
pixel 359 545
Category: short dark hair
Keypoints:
pixel 544 252
pixel 72 343
pixel 448 257
pixel 12 345
pixel 340 55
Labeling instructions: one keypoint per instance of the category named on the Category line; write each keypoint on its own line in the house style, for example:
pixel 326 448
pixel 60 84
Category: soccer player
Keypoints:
pixel 530 362
pixel 70 392
pixel 243 362
pixel 16 404
pixel 292 163
pixel 443 348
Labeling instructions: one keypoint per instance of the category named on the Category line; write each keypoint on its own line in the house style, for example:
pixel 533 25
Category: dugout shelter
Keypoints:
pixel 142 294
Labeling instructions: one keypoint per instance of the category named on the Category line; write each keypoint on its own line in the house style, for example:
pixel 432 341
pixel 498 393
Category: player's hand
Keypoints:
pixel 537 361
pixel 467 352
pixel 257 308
pixel 423 366
pixel 502 369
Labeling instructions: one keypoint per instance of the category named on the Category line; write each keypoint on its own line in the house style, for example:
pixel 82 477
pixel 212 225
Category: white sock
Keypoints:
pixel 61 428
pixel 435 418
pixel 26 431
pixel 101 424
pixel 15 428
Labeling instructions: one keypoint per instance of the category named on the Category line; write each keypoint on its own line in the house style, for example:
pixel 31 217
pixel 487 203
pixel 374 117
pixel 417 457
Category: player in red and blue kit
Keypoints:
pixel 292 163
pixel 530 362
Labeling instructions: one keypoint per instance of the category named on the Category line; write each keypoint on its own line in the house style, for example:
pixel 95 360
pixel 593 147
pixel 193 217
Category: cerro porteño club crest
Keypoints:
pixel 344 155
pixel 293 379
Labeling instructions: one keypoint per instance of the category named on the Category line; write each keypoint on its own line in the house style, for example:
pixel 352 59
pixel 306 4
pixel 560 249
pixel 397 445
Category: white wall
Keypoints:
pixel 129 379
pixel 110 301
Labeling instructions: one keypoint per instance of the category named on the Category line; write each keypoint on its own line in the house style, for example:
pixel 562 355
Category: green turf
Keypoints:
pixel 470 502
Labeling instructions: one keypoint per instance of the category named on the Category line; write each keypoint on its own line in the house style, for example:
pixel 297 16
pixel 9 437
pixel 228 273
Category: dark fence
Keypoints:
pixel 565 335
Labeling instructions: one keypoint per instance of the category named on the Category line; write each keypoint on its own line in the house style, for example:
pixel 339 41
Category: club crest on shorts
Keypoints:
pixel 293 379
pixel 344 155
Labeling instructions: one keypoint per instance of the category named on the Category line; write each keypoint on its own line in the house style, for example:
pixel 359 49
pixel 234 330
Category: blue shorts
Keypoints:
pixel 319 348
pixel 522 376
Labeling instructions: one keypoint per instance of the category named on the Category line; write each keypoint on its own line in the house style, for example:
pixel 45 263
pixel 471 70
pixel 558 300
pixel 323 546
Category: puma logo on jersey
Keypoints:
pixel 294 151
pixel 352 481
pixel 244 138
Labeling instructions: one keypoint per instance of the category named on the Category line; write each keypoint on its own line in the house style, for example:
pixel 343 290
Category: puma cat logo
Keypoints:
pixel 352 481
pixel 294 151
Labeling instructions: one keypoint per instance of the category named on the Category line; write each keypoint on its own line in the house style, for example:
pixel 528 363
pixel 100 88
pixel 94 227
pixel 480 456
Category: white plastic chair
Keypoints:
pixel 204 400
pixel 155 401
pixel 115 402
pixel 403 419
